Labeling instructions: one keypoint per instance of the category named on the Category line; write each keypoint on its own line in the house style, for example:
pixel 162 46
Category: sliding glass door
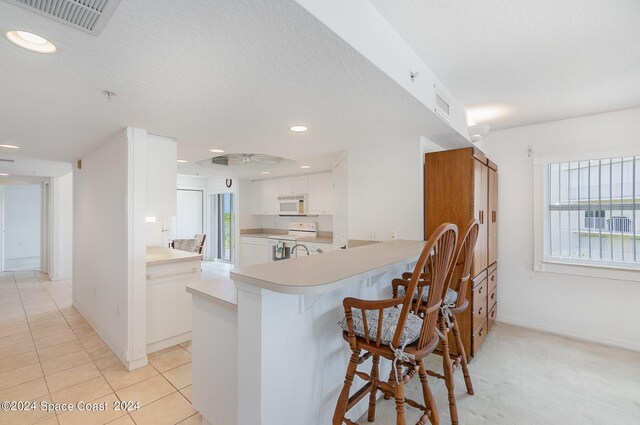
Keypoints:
pixel 225 226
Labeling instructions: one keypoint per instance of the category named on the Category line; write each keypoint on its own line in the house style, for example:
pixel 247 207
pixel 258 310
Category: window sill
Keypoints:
pixel 588 270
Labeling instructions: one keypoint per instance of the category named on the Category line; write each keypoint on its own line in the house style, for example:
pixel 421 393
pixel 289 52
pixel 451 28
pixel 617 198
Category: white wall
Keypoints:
pixel 602 310
pixel 385 191
pixel 61 264
pixel 21 222
pixel 109 239
pixel 100 243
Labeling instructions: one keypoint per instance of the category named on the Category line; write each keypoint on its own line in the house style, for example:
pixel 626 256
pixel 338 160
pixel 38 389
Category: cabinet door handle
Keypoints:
pixel 493 216
pixel 480 312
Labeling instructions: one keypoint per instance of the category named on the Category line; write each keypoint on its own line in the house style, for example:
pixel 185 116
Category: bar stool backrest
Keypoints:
pixel 436 257
pixel 466 243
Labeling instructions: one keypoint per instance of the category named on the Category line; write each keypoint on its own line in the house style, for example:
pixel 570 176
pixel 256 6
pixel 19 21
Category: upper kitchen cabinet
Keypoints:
pixel 162 176
pixel 265 197
pixel 317 187
pixel 320 194
pixel 297 185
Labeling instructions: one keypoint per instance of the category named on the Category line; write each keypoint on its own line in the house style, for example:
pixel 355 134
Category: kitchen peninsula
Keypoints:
pixel 275 354
pixel 168 305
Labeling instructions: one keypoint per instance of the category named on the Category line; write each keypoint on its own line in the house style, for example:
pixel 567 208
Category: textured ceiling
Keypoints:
pixel 212 74
pixel 543 59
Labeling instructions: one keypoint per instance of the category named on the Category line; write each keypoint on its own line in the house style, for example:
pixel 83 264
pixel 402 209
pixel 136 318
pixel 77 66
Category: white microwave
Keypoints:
pixel 292 205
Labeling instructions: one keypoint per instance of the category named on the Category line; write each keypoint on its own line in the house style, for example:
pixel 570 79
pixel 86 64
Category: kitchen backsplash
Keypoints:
pixel 325 222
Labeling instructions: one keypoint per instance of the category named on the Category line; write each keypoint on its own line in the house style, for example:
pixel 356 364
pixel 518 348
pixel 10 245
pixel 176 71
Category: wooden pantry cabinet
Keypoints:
pixel 459 185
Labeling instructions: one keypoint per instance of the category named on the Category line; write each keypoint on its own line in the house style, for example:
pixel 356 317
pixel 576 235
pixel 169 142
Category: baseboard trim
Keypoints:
pixel 119 352
pixel 609 342
pixel 168 342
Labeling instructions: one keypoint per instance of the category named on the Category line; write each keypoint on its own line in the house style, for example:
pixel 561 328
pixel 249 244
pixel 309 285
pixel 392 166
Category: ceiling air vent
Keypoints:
pixel 89 16
pixel 220 160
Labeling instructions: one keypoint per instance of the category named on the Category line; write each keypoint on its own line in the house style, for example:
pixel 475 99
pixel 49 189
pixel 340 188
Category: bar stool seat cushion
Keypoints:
pixel 450 298
pixel 390 319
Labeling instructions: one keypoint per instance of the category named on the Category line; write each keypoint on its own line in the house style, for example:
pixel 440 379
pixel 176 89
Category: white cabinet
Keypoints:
pixel 271 197
pixel 296 185
pixel 265 197
pixel 254 251
pixel 319 188
pixel 257 194
pixel 321 194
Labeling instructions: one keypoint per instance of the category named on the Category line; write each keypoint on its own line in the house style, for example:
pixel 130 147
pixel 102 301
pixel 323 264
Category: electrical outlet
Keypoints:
pixel 394 235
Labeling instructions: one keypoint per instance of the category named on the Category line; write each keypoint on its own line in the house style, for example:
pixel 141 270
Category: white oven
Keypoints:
pixel 292 205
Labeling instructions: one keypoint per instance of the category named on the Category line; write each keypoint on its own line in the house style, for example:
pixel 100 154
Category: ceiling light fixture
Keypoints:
pixel 182 161
pixel 298 128
pixel 3 174
pixel 478 132
pixel 305 166
pixel 9 147
pixel 216 150
pixel 30 41
pixel 266 172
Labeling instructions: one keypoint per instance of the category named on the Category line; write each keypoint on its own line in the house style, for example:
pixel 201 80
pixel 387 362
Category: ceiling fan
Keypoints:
pixel 244 159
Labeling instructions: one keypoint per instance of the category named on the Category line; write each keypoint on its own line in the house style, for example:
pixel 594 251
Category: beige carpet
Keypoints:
pixel 525 377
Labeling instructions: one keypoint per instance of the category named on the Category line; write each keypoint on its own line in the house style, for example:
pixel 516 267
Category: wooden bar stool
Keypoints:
pixel 388 329
pixel 454 302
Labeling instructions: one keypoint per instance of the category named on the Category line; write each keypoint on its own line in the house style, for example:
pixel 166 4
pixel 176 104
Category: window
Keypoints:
pixel 592 212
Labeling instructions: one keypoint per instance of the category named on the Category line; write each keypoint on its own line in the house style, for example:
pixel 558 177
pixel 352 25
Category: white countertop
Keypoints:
pixel 316 274
pixel 220 290
pixel 161 254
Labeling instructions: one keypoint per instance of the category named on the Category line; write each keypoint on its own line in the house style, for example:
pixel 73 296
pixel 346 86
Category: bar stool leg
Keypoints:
pixel 392 377
pixel 429 401
pixel 375 376
pixel 343 400
pixel 448 370
pixel 399 394
pixel 463 355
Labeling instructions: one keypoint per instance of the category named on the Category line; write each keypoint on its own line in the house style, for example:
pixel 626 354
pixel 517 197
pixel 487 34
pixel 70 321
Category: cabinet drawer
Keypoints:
pixel 479 336
pixel 479 304
pixel 493 280
pixel 491 320
pixel 492 299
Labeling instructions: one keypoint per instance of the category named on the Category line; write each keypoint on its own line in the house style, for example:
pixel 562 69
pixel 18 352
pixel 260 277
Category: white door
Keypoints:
pixel 340 235
pixel 21 227
pixel 188 220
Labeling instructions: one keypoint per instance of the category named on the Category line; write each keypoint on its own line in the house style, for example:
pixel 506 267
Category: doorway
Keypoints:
pixel 190 212
pixel 21 227
pixel 223 225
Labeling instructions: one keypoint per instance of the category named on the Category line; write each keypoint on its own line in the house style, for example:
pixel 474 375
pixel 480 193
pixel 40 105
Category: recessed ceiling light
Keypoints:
pixel 31 41
pixel 182 161
pixel 3 174
pixel 266 172
pixel 216 150
pixel 298 128
pixel 9 147
pixel 305 166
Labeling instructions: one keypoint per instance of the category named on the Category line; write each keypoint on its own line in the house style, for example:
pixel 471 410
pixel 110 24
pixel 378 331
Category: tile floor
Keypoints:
pixel 49 353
